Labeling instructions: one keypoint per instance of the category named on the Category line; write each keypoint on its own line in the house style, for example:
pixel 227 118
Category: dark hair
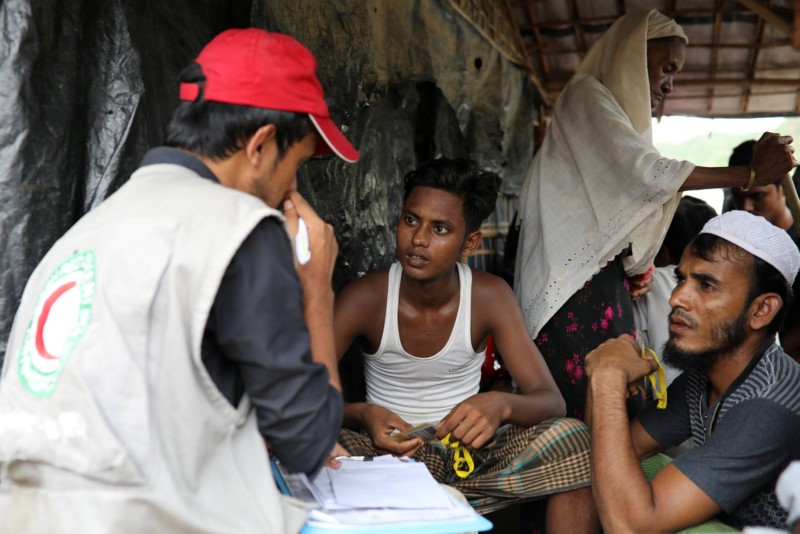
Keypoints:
pixel 764 278
pixel 463 177
pixel 217 130
pixel 743 155
pixel 690 217
pixel 796 177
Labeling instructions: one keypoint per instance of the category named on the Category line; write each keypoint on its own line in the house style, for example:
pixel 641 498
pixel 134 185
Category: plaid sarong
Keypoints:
pixel 518 464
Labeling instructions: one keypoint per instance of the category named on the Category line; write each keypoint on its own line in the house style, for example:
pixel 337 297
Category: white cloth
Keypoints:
pixel 597 185
pixel 788 491
pixel 651 315
pixel 424 390
pixel 622 47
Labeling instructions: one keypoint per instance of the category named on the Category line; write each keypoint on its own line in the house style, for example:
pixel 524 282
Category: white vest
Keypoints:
pixel 424 390
pixel 109 421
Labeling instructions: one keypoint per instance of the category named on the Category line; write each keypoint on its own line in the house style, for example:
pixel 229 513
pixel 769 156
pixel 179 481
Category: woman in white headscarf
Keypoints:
pixel 599 197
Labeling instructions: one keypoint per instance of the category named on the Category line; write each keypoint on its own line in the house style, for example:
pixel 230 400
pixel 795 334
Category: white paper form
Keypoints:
pixel 383 516
pixel 387 484
pixel 367 517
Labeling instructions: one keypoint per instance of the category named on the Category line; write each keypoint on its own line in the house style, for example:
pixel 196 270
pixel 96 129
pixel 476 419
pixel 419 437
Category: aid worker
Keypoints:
pixel 170 334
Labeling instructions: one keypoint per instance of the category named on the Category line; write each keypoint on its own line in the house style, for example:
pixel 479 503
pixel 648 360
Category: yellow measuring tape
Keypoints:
pixel 462 457
pixel 657 379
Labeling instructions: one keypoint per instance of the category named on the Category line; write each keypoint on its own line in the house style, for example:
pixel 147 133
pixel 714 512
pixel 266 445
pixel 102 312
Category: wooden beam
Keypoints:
pixel 796 25
pixel 767 14
pixel 714 52
pixel 537 36
pixel 573 11
pixel 608 19
pixel 722 94
pixel 500 29
pixel 751 63
pixel 776 43
pixel 741 82
pixel 494 25
pixel 554 86
pixel 528 64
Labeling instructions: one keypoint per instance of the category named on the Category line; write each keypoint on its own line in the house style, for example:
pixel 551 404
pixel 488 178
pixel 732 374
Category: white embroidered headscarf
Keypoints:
pixel 597 185
pixel 625 45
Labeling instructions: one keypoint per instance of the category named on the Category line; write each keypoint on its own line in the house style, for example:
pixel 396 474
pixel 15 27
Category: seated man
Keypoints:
pixel 737 398
pixel 651 309
pixel 423 326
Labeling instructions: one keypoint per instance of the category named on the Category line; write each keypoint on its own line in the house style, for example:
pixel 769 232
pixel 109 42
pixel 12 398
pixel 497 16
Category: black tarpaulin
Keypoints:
pixel 86 86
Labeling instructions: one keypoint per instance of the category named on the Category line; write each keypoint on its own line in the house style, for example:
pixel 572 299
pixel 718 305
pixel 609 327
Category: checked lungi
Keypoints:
pixel 517 464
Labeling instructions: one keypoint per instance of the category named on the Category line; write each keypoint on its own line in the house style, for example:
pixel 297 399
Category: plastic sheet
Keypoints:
pixel 87 86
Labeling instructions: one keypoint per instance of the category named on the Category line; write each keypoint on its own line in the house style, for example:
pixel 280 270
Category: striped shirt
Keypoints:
pixel 741 443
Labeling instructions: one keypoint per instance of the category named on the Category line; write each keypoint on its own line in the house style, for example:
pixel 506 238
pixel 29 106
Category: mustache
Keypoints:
pixel 685 317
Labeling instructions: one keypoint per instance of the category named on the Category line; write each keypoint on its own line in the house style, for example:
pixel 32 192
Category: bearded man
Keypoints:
pixel 737 398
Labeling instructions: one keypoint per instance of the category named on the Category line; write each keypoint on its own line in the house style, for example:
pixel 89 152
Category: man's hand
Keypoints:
pixel 772 157
pixel 321 239
pixel 621 357
pixel 337 451
pixel 473 421
pixel 380 423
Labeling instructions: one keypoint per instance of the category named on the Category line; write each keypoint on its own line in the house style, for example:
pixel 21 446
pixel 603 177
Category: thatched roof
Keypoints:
pixel 743 57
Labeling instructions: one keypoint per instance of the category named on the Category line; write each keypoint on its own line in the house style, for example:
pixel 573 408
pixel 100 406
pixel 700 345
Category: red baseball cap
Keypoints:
pixel 253 67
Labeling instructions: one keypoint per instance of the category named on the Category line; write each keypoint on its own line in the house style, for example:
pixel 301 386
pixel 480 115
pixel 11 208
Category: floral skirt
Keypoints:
pixel 601 310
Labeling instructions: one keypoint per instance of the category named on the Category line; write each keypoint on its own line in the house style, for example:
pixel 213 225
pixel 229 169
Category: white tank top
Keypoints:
pixel 424 390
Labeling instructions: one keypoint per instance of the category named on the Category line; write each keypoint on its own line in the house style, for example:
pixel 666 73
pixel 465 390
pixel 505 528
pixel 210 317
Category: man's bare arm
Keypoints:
pixel 475 420
pixel 626 501
pixel 540 397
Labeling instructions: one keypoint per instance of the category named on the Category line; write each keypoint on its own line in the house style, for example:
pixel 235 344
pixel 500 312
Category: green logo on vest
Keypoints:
pixel 60 319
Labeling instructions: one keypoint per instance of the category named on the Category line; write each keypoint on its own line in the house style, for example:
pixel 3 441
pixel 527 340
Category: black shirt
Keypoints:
pixel 256 341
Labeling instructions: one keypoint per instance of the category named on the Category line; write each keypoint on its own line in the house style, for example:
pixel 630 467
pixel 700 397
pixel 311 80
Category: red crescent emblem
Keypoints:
pixel 43 319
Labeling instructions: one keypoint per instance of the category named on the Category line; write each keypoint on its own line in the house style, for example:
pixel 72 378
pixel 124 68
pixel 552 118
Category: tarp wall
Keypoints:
pixel 86 86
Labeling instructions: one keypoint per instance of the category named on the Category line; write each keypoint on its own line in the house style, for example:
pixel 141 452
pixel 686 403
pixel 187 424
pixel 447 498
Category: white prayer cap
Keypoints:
pixel 759 237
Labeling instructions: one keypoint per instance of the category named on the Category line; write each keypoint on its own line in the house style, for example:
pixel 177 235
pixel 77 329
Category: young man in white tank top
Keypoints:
pixel 423 326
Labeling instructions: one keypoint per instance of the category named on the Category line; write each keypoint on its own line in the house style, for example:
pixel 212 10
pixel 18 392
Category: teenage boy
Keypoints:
pixel 170 333
pixel 423 326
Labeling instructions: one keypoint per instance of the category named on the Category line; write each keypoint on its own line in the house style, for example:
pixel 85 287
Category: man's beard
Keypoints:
pixel 724 338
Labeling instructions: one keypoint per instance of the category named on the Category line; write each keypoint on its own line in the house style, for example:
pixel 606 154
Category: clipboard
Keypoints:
pixel 473 523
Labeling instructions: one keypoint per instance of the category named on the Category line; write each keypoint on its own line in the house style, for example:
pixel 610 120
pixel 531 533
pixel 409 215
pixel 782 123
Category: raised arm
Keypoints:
pixel 626 501
pixel 315 277
pixel 495 311
pixel 772 159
